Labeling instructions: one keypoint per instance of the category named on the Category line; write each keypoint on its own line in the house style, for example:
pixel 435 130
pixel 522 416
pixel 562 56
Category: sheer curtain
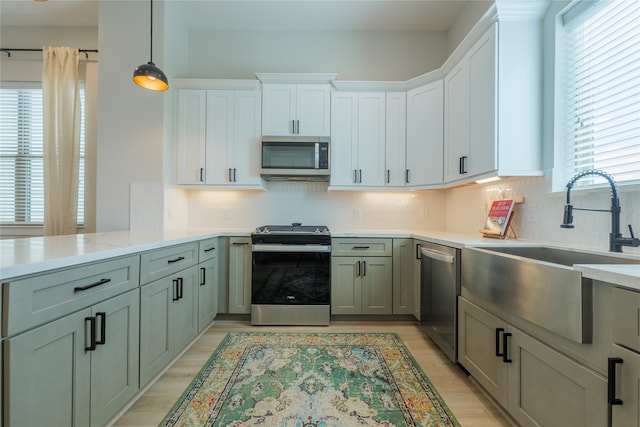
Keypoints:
pixel 61 114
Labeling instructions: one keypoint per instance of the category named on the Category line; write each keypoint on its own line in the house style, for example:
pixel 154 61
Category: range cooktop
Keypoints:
pixel 295 228
pixel 293 234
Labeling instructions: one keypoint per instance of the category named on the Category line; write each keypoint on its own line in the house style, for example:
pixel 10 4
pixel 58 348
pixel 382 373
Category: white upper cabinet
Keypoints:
pixel 396 139
pixel 492 123
pixel 358 139
pixel 424 135
pixel 296 109
pixel 219 137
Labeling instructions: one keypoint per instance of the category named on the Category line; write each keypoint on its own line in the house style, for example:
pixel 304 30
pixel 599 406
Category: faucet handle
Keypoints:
pixel 631 232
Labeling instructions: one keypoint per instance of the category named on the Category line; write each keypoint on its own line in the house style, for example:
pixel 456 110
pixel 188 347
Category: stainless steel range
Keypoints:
pixel 291 275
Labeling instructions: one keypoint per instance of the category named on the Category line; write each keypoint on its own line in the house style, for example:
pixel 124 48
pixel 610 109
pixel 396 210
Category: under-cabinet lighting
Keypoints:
pixel 484 181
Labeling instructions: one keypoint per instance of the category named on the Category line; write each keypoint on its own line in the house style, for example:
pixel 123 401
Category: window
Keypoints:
pixel 599 76
pixel 21 155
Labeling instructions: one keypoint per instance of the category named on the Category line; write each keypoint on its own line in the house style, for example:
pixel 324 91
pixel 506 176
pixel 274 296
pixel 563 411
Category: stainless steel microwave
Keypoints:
pixel 295 158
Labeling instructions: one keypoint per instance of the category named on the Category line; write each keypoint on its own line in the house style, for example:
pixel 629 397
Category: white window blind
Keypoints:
pixel 602 89
pixel 21 156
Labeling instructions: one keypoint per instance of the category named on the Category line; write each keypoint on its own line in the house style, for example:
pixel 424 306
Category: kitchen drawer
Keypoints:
pixel 35 300
pixel 626 318
pixel 163 262
pixel 207 249
pixel 341 246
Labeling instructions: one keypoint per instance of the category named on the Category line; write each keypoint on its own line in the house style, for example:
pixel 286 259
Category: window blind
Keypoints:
pixel 21 156
pixel 602 84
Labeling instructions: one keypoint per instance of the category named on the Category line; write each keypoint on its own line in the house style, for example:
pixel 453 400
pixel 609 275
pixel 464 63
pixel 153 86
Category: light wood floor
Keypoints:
pixel 465 399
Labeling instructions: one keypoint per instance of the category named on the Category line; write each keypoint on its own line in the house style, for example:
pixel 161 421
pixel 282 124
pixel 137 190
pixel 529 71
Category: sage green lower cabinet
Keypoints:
pixel 404 255
pixel 240 275
pixel 52 378
pixel 207 293
pixel 168 320
pixel 361 285
pixel 536 384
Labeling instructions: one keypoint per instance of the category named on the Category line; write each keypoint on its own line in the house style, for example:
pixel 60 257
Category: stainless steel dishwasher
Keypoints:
pixel 439 290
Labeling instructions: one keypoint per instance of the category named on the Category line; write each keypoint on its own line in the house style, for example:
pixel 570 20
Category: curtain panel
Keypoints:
pixel 61 117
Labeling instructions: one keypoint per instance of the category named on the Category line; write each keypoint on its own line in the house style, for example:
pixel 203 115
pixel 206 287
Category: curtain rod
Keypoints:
pixel 9 50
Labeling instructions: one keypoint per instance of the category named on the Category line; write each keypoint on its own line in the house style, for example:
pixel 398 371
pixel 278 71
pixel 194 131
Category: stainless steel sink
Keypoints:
pixel 561 256
pixel 538 284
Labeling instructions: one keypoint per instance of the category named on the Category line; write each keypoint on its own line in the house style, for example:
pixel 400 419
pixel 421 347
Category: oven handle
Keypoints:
pixel 290 248
pixel 438 256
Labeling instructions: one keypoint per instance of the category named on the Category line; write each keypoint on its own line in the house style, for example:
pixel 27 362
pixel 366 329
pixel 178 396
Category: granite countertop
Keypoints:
pixel 19 257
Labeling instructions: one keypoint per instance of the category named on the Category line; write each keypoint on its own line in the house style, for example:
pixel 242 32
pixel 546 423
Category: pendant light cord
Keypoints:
pixel 151 33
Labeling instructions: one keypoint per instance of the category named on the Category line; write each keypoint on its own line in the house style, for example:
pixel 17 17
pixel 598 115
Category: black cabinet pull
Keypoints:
pixel 230 178
pixel 203 273
pixel 462 165
pixel 611 381
pixel 364 268
pixel 180 287
pixel 388 176
pixel 406 176
pixel 213 248
pixel 355 176
pixel 235 174
pixel 93 285
pixel 201 174
pixel 498 353
pixel 505 345
pixel 171 261
pixel 103 327
pixel 175 296
pixel 92 335
pixel 418 255
pixel 357 268
pixel 361 247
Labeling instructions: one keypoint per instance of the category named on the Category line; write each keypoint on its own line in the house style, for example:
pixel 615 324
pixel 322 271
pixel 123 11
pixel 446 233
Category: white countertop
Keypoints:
pixel 19 257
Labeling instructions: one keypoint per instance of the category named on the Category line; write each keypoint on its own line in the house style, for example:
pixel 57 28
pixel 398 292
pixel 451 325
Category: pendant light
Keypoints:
pixel 148 75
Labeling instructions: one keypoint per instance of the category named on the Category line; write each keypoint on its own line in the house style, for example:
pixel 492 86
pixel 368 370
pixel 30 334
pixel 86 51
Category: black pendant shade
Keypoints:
pixel 148 75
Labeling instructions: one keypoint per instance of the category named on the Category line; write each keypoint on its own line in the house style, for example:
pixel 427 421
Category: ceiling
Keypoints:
pixel 310 15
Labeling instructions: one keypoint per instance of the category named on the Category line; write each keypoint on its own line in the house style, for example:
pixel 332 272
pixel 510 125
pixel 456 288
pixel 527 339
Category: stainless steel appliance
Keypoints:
pixel 295 158
pixel 439 290
pixel 291 275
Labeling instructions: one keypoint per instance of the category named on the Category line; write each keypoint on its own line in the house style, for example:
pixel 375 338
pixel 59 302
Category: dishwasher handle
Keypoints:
pixel 438 256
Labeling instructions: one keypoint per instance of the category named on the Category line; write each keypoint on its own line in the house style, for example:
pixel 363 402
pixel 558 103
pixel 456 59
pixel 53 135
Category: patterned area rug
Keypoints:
pixel 310 380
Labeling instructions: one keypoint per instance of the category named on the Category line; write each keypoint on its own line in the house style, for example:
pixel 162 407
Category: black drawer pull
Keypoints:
pixel 361 247
pixel 93 285
pixel 498 353
pixel 176 293
pixel 92 335
pixel 203 276
pixel 210 249
pixel 611 381
pixel 103 327
pixel 171 261
pixel 505 344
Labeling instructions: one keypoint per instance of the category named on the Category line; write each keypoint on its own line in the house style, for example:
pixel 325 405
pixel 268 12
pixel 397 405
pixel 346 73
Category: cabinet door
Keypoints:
pixel 313 108
pixel 184 309
pixel 404 255
pixel 278 109
pixel 377 289
pixel 456 122
pixel 346 286
pixel 115 363
pixel 220 136
pixel 425 134
pixel 156 345
pixel 47 374
pixel 627 388
pixel 344 138
pixel 207 293
pixel 371 139
pixel 482 105
pixel 246 159
pixel 192 123
pixel 240 275
pixel 396 139
pixel 479 339
pixel 547 388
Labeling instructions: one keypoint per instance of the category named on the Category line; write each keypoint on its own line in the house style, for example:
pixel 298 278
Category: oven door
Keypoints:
pixel 291 275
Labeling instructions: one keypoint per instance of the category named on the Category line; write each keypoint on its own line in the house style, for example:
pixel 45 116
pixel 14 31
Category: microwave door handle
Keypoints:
pixel 317 155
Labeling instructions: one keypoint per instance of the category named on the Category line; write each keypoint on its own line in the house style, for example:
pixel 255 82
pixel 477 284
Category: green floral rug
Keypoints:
pixel 310 380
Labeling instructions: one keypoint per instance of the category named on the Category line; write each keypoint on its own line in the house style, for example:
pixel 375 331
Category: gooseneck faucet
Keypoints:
pixel 616 241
